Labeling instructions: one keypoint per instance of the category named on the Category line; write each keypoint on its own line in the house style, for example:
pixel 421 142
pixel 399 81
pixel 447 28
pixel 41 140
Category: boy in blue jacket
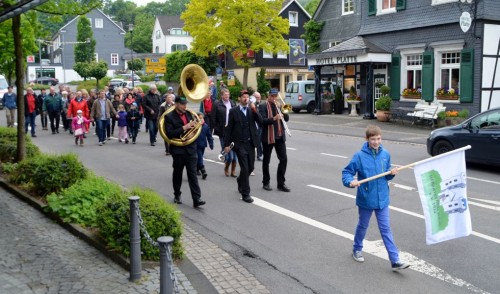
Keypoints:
pixel 202 140
pixel 372 196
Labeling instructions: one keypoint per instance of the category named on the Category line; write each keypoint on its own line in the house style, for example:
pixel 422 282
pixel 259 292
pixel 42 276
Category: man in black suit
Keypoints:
pixel 242 130
pixel 177 122
pixel 273 136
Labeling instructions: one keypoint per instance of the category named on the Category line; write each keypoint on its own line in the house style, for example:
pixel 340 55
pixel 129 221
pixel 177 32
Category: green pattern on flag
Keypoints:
pixel 432 187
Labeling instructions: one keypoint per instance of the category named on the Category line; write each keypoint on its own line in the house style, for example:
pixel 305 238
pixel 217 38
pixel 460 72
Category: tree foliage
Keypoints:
pixel 84 50
pixel 135 64
pixel 263 85
pixel 140 39
pixel 312 35
pixel 98 70
pixel 178 60
pixel 312 6
pixel 236 26
pixel 83 69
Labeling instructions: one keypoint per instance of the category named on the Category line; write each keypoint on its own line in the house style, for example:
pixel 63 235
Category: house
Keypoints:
pixel 109 47
pixel 420 44
pixel 285 66
pixel 169 36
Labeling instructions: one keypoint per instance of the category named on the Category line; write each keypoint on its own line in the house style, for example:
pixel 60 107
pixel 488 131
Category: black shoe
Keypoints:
pixel 177 199
pixel 33 136
pixel 259 158
pixel 152 144
pixel 283 188
pixel 267 187
pixel 198 203
pixel 198 173
pixel 204 176
pixel 53 132
pixel 57 131
pixel 247 199
pixel 126 141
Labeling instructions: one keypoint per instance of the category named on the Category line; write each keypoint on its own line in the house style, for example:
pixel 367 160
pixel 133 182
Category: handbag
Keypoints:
pixel 79 132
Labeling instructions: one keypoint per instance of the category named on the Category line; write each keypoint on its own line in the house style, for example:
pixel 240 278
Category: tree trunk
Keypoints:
pixel 245 77
pixel 18 52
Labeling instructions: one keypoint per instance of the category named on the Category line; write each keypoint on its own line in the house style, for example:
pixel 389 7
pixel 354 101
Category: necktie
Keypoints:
pixel 244 110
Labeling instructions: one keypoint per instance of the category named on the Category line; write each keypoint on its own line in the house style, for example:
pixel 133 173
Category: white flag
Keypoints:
pixel 442 186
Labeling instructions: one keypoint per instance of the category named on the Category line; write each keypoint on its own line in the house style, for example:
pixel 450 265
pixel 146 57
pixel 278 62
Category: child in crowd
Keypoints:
pixel 122 124
pixel 134 121
pixel 78 125
pixel 372 196
pixel 201 141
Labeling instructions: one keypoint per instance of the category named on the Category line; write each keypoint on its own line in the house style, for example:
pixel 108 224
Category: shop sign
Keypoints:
pixel 465 21
pixel 337 60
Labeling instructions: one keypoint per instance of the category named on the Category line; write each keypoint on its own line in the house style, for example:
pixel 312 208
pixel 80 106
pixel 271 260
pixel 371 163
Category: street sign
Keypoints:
pixel 465 21
pixel 156 61
pixel 30 59
pixel 159 69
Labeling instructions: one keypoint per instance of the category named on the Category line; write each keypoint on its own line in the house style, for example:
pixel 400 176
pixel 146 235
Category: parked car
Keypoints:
pixel 300 94
pixel 46 81
pixel 128 77
pixel 481 131
pixel 3 89
pixel 128 84
pixel 114 84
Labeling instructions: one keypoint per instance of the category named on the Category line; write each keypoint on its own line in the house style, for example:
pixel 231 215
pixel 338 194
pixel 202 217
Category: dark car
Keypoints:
pixel 481 131
pixel 46 81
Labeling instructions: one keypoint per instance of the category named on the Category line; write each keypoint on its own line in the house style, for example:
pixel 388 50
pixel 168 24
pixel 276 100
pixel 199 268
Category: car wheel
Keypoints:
pixel 441 147
pixel 296 110
pixel 310 107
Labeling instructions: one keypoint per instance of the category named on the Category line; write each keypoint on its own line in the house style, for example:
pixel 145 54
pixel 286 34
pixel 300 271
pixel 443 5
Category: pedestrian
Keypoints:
pixel 101 112
pixel 116 102
pixel 169 102
pixel 79 103
pixel 43 115
pixel 204 139
pixel 273 136
pixel 177 122
pixel 170 91
pixel 151 104
pixel 30 110
pixel 221 117
pixel 241 130
pixel 53 106
pixel 206 107
pixel 10 102
pixel 71 97
pixel 127 102
pixel 78 124
pixel 372 196
pixel 122 124
pixel 257 102
pixel 134 121
pixel 64 110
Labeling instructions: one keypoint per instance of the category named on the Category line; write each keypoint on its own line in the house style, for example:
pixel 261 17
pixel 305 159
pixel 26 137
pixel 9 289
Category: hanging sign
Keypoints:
pixel 465 21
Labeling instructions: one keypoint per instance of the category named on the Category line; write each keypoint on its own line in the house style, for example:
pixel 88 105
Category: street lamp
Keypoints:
pixel 131 30
pixel 62 32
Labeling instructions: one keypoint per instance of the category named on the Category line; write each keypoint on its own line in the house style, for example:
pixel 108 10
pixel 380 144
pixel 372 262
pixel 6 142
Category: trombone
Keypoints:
pixel 286 109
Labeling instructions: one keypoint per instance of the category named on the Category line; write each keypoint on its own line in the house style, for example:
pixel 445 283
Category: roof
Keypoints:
pixel 168 22
pixel 356 44
pixel 101 12
pixel 287 3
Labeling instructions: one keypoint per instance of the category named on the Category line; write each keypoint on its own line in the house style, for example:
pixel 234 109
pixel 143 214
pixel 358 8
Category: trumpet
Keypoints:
pixel 223 154
pixel 286 108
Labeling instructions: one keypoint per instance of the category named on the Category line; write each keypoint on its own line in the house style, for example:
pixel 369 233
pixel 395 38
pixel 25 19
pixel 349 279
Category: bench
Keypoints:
pixel 426 113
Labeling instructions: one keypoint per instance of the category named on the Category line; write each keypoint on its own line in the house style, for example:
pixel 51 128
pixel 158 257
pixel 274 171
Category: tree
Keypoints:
pixel 178 60
pixel 141 41
pixel 83 69
pixel 85 48
pixel 135 64
pixel 263 85
pixel 98 70
pixel 312 35
pixel 236 27
pixel 312 6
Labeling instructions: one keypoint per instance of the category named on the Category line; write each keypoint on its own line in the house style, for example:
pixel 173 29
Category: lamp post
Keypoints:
pixel 62 54
pixel 131 30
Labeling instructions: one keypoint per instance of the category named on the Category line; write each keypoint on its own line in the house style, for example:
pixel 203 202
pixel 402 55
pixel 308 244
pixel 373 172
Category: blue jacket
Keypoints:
pixel 373 194
pixel 205 136
pixel 10 100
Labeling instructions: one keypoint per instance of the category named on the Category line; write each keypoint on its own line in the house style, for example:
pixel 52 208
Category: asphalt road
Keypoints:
pixel 301 242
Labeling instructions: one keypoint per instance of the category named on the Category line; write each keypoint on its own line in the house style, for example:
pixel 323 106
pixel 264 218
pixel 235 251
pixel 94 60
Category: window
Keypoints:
pixel 388 4
pixel 282 55
pixel 332 44
pixel 179 47
pixel 114 59
pixel 157 49
pixel 450 70
pixel 90 20
pixel 293 18
pixel 267 54
pixel 99 23
pixel 178 32
pixel 158 34
pixel 437 2
pixel 414 71
pixel 347 7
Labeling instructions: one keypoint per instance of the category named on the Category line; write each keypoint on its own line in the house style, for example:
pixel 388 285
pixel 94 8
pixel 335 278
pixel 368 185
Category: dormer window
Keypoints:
pixel 293 18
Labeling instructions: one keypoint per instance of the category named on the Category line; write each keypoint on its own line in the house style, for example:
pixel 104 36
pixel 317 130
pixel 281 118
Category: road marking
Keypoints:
pixel 291 148
pixel 404 187
pixel 333 155
pixel 487 201
pixel 477 234
pixel 375 248
pixel 485 206
pixel 214 161
pixel 482 180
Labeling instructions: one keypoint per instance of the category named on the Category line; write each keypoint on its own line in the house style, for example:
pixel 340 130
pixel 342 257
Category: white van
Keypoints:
pixel 300 94
pixel 3 89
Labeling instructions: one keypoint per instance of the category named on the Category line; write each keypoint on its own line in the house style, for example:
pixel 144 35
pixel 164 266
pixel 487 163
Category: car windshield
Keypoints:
pixel 490 120
pixel 3 84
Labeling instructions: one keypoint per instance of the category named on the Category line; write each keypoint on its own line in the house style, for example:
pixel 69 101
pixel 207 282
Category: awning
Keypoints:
pixel 352 51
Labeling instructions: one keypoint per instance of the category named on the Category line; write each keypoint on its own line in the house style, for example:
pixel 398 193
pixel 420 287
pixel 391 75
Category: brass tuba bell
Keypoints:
pixel 194 85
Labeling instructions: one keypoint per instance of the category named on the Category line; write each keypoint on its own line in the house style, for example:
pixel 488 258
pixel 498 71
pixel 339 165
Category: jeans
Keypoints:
pixel 11 116
pixel 30 120
pixel 153 129
pixel 101 129
pixel 231 156
pixel 384 227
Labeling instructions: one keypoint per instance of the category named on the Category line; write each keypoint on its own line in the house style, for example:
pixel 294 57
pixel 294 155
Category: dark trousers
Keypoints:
pixel 43 118
pixel 65 121
pixel 246 158
pixel 201 153
pixel 259 148
pixel 188 161
pixel 209 120
pixel 112 126
pixel 153 129
pixel 281 153
pixel 133 131
pixel 101 129
pixel 54 115
pixel 30 120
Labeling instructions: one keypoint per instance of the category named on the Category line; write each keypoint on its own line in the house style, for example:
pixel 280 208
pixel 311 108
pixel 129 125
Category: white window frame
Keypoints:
pixel 387 10
pixel 267 54
pixel 157 49
pixel 344 2
pixel 405 67
pixel 438 51
pixel 90 20
pixel 98 23
pixel 333 44
pixel 439 2
pixel 282 55
pixel 158 34
pixel 115 56
pixel 293 18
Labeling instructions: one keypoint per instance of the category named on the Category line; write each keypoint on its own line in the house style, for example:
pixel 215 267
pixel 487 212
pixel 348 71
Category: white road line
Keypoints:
pixel 404 187
pixel 480 235
pixel 482 180
pixel 291 148
pixel 487 201
pixel 214 161
pixel 333 155
pixel 375 248
pixel 485 206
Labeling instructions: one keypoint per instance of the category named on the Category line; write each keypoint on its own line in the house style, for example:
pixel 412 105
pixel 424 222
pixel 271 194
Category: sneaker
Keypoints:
pixel 252 174
pixel 399 266
pixel 100 143
pixel 358 256
pixel 126 141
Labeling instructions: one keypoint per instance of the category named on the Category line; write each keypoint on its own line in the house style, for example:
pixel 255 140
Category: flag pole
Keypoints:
pixel 413 164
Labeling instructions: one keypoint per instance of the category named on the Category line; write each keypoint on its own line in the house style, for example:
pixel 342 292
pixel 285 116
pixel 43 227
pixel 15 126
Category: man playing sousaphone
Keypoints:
pixel 177 123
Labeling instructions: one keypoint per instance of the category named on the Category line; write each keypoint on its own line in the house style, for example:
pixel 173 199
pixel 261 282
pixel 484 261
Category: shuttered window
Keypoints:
pixel 467 75
pixel 400 5
pixel 396 76
pixel 428 76
pixel 372 7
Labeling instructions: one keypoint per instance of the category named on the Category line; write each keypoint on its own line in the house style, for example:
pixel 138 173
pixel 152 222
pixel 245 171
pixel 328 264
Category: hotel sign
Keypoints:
pixel 337 60
pixel 348 59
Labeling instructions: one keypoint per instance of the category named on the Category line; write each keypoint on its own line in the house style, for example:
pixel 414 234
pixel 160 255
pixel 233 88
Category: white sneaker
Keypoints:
pixel 252 174
pixel 358 256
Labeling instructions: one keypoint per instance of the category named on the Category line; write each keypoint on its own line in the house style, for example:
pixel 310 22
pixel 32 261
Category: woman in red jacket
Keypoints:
pixel 78 104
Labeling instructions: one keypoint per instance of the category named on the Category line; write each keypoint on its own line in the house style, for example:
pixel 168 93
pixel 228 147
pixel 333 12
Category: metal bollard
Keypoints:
pixel 135 240
pixel 166 284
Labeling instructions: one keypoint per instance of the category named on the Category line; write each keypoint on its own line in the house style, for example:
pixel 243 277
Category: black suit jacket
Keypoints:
pixel 233 130
pixel 173 127
pixel 268 120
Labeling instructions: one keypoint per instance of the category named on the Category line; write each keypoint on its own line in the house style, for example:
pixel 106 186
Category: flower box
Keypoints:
pixel 449 121
pixel 447 97
pixel 412 97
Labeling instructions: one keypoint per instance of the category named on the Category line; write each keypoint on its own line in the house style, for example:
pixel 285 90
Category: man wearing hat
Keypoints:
pixel 242 130
pixel 273 136
pixel 177 122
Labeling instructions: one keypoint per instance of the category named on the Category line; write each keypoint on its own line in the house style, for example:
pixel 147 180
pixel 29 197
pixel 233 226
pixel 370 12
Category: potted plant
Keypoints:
pixel 339 101
pixel 412 93
pixel 451 117
pixel 447 94
pixel 383 104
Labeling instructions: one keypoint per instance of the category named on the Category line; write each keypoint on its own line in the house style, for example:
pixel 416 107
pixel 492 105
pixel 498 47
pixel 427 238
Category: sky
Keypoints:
pixel 144 2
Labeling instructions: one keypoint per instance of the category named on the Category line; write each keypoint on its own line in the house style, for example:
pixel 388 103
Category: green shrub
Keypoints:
pixel 385 90
pixel 162 89
pixel 145 88
pixel 45 174
pixel 441 114
pixel 92 84
pixel 383 103
pixel 148 78
pixel 77 203
pixel 464 113
pixel 36 87
pixel 8 145
pixel 160 218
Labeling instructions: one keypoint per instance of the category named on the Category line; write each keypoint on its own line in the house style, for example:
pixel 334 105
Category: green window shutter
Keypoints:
pixel 372 7
pixel 428 76
pixel 467 75
pixel 400 5
pixel 396 76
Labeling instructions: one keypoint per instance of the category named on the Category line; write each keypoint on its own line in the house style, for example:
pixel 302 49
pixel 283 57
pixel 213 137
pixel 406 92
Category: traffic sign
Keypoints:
pixel 30 59
pixel 156 61
pixel 156 68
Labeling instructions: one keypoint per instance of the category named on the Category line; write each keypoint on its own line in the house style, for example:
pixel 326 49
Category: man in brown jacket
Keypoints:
pixel 101 112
